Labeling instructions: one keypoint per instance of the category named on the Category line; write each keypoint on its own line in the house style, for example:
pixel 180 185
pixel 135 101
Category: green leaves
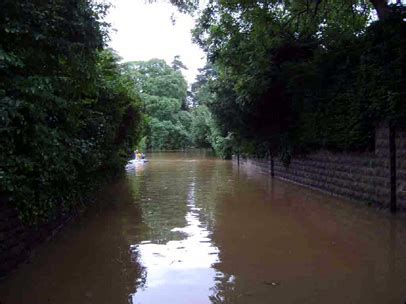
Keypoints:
pixel 163 90
pixel 9 59
pixel 69 115
pixel 292 76
pixel 156 78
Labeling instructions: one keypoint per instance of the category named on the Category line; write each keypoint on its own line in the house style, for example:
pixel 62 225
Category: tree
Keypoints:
pixel 200 89
pixel 163 90
pixel 383 8
pixel 386 10
pixel 292 75
pixel 177 64
pixel 205 130
pixel 68 114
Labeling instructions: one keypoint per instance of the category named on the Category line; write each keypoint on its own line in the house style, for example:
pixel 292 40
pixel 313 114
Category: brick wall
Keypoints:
pixel 362 177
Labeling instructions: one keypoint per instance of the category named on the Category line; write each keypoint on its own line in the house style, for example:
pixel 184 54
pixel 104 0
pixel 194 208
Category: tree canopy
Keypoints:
pixel 292 76
pixel 163 90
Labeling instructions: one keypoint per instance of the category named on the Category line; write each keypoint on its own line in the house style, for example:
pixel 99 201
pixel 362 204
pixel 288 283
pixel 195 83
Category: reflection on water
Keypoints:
pixel 178 271
pixel 176 251
pixel 187 228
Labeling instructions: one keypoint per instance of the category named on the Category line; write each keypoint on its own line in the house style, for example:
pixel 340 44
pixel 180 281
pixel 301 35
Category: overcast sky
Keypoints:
pixel 145 31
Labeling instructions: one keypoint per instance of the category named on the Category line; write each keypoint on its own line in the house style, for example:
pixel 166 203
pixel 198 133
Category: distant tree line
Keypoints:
pixel 163 91
pixel 175 118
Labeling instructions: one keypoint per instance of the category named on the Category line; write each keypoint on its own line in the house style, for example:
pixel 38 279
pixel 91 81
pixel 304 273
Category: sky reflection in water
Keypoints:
pixel 179 271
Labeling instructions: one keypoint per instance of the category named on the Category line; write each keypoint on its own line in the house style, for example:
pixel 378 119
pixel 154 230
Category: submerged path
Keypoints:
pixel 187 228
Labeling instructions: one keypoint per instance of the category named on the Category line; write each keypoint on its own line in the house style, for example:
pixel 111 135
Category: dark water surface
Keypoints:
pixel 187 228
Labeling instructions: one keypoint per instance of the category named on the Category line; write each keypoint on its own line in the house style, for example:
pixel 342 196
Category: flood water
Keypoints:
pixel 189 228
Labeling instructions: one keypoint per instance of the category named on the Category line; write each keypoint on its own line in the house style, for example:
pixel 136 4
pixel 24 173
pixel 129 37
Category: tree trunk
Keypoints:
pixel 383 10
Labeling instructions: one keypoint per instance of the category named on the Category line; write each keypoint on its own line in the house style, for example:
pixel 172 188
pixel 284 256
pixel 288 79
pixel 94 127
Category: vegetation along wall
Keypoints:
pixel 362 177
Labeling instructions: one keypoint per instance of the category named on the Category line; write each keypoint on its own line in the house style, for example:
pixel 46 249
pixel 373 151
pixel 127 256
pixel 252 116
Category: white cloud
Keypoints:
pixel 145 31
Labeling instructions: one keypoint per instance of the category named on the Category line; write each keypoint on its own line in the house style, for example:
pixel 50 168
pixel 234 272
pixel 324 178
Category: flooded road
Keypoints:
pixel 188 228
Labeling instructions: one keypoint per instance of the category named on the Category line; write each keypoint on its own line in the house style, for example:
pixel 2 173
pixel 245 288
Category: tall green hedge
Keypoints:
pixel 350 89
pixel 68 115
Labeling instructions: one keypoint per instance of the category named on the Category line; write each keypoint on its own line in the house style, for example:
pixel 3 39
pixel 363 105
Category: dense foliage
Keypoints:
pixel 293 76
pixel 176 118
pixel 163 90
pixel 205 130
pixel 68 113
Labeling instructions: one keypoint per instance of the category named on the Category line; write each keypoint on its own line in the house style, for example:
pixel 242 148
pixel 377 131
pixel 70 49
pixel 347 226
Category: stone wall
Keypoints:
pixel 362 177
pixel 401 167
pixel 18 240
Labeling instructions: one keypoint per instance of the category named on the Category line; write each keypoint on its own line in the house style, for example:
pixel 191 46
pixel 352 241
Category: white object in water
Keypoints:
pixel 134 162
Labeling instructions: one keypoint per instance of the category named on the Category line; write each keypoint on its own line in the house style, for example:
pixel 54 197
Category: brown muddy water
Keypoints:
pixel 188 228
